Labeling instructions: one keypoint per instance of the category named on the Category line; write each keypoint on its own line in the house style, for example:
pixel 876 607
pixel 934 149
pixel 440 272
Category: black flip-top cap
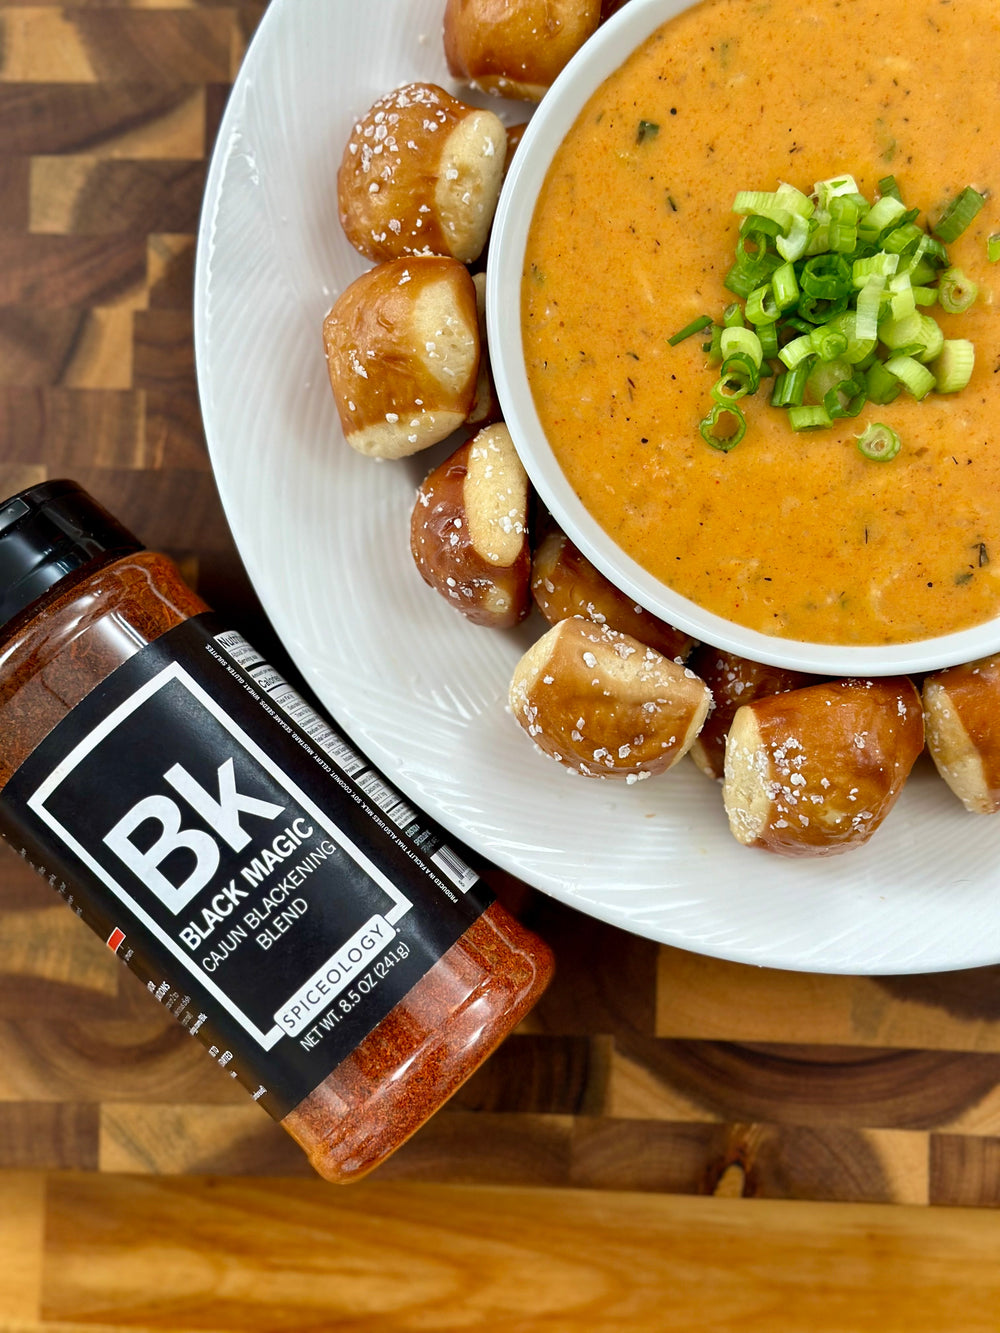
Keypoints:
pixel 46 533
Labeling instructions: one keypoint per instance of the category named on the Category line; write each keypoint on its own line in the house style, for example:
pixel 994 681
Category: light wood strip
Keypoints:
pixel 222 1254
pixel 22 1222
pixel 91 195
pixel 130 119
pixel 708 998
pixel 86 45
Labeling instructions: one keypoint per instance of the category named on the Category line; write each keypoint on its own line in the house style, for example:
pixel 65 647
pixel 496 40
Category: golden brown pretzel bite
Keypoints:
pixel 402 351
pixel 469 530
pixel 734 681
pixel 815 771
pixel 605 705
pixel 421 174
pixel 515 47
pixel 565 583
pixel 962 717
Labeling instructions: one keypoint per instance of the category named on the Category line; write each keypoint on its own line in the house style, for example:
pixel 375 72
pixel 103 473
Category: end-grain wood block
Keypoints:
pixel 117 120
pixel 73 347
pixel 195 1138
pixel 75 427
pixel 90 195
pixel 94 45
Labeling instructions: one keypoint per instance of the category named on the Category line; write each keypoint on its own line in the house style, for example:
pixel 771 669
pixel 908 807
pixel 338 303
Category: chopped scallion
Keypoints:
pixel 809 416
pixel 724 427
pixel 696 326
pixel 954 365
pixel 957 216
pixel 879 442
pixel 956 292
pixel 915 377
pixel 830 292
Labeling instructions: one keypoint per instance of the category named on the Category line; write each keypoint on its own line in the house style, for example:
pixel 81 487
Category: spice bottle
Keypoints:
pixel 271 888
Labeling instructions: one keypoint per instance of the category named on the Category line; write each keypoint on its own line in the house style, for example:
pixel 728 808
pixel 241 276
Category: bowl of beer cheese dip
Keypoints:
pixel 743 320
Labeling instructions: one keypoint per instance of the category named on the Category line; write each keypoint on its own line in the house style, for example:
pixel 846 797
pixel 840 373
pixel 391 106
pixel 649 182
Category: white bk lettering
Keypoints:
pixel 221 814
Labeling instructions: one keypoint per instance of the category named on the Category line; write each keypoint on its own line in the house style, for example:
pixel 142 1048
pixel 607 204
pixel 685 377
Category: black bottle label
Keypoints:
pixel 268 886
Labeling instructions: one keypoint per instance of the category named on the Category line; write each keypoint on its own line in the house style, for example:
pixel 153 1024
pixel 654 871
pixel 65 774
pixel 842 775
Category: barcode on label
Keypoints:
pixel 461 875
pixel 290 702
pixel 386 799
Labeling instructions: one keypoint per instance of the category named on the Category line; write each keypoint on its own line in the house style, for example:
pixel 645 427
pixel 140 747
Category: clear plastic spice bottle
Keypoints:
pixel 272 890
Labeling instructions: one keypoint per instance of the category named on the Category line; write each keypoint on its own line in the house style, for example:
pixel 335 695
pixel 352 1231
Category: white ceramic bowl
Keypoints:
pixel 605 51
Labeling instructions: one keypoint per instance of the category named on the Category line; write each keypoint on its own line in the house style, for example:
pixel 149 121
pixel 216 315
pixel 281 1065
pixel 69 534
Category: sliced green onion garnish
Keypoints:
pixel 724 427
pixel 882 214
pixel 768 335
pixel 900 332
pixel 797 351
pixel 956 292
pixel 916 377
pixel 882 387
pixel 789 386
pixel 739 368
pixel 810 416
pixel 888 186
pixel 785 286
pixel 696 326
pixel 993 247
pixel 847 398
pixel 828 342
pixel 737 339
pixel 869 305
pixel 858 347
pixel 953 367
pixel 761 306
pixel 830 293
pixel 931 338
pixel 827 276
pixel 879 442
pixel 792 244
pixel 880 265
pixel 957 216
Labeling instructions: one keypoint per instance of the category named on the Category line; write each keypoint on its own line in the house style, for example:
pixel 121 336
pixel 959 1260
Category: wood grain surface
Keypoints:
pixel 669 1142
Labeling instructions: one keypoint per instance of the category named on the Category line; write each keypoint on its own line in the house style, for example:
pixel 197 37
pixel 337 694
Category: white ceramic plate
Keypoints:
pixel 324 535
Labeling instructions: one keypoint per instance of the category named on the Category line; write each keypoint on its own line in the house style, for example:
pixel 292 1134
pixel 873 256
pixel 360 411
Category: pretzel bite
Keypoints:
pixel 734 681
pixel 962 717
pixel 469 530
pixel 402 350
pixel 605 705
pixel 565 583
pixel 515 49
pixel 421 174
pixel 815 771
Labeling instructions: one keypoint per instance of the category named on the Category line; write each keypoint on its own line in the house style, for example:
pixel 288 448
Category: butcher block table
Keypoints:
pixel 669 1142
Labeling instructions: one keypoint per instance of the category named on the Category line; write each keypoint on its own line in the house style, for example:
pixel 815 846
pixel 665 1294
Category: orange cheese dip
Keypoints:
pixel 795 534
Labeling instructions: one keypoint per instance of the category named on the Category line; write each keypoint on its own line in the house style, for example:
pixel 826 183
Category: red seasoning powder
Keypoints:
pixel 291 910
